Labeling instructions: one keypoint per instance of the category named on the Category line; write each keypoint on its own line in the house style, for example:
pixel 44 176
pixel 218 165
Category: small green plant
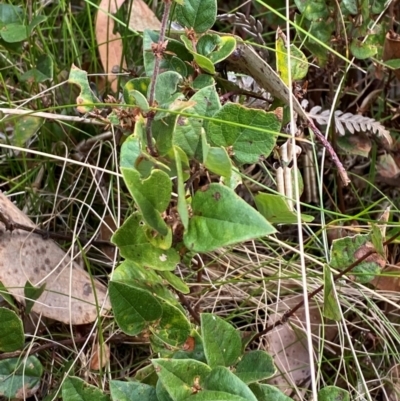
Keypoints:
pixel 181 167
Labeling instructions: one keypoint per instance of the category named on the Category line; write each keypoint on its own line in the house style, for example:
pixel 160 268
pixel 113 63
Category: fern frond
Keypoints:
pixel 352 122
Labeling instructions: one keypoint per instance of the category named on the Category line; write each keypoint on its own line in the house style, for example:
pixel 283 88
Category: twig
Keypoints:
pixel 186 304
pixel 290 312
pixel 158 58
pixel 341 170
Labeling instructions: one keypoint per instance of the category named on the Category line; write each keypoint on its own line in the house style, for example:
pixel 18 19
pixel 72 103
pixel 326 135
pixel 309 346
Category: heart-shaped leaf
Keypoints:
pixel 11 331
pixel 131 238
pixel 180 376
pixel 222 379
pixel 233 127
pixel 223 349
pixel 198 15
pixel 20 377
pixel 151 195
pixel 221 218
pixel 254 366
pixel 134 308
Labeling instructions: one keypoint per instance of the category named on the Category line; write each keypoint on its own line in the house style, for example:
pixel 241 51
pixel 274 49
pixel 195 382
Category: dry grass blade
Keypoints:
pixel 70 295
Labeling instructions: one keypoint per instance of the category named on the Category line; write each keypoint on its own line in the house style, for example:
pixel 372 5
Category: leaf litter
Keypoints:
pixel 70 294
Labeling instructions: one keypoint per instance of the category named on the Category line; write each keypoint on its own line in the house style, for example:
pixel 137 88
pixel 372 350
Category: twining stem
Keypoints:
pixel 158 58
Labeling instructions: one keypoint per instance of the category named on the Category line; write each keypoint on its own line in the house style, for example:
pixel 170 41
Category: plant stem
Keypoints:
pixel 150 116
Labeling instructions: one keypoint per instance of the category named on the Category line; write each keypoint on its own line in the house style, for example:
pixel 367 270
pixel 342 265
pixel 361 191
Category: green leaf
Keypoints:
pixel 347 250
pixel 175 282
pixel 266 392
pixel 298 61
pixel 248 144
pixel 218 161
pixel 146 375
pixel 76 389
pixel 129 271
pixel 276 210
pixel 225 48
pixel 362 50
pixel 86 97
pixel 45 65
pixel 11 331
pixel 223 349
pixel 13 32
pixel 42 72
pixel 134 308
pixel 25 128
pixel 333 393
pixel 351 5
pixel 132 155
pixel 202 61
pixel 173 47
pixel 254 366
pixel 331 304
pixel 209 395
pixel 221 218
pixel 202 81
pixel 216 48
pixel 136 98
pixel 151 195
pixel 313 9
pixel 7 297
pixel 199 15
pixel 164 130
pixel 19 377
pixel 222 379
pixel 195 350
pixel 188 130
pixel 166 86
pixel 321 30
pixel 36 20
pixel 9 14
pixel 133 244
pixel 207 43
pixel 141 85
pixel 173 328
pixel 180 376
pixel 32 293
pixel 132 391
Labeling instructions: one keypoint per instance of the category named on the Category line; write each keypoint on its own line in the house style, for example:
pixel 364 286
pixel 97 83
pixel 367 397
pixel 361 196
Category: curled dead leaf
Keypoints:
pixel 100 356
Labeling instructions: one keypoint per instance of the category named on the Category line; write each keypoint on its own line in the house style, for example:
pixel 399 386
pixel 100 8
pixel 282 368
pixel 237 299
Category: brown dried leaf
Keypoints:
pixel 288 344
pixel 388 280
pixel 391 49
pixel 69 295
pixel 109 43
pixel 142 17
pixel 100 356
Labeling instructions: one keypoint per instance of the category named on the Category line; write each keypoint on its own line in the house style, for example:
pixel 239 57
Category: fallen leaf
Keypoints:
pixel 142 17
pixel 109 43
pixel 288 344
pixel 100 356
pixel 69 294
